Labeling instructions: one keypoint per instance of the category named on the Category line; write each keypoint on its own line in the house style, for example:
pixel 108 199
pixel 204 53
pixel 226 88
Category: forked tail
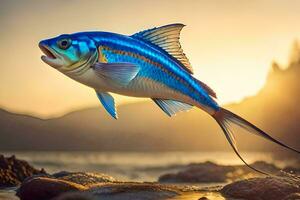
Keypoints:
pixel 225 119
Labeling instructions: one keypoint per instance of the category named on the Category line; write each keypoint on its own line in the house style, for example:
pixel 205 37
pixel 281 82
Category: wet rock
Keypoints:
pixel 133 191
pixel 49 186
pixel 14 171
pixel 46 188
pixel 84 178
pixel 266 167
pixel 275 188
pixel 75 196
pixel 203 172
pixel 292 170
pixel 56 188
pixel 209 172
pixel 294 196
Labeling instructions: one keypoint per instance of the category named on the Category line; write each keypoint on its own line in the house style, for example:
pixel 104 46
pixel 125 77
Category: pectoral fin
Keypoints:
pixel 120 73
pixel 171 107
pixel 108 102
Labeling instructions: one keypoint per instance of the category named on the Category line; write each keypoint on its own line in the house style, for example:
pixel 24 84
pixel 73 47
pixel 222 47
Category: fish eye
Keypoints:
pixel 64 43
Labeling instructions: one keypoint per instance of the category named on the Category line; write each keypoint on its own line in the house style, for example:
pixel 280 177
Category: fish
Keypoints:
pixel 148 64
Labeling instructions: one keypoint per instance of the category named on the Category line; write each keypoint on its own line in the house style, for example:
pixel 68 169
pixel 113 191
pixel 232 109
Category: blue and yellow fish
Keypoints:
pixel 150 63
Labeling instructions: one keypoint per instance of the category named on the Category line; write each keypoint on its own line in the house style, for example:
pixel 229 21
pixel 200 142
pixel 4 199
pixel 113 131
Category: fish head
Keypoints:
pixel 68 52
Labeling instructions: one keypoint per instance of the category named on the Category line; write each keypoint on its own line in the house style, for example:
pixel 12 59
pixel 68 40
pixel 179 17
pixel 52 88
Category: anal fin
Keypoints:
pixel 171 107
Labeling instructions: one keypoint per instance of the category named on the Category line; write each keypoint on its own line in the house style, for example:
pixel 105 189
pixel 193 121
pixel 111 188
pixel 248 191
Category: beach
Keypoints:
pixel 176 175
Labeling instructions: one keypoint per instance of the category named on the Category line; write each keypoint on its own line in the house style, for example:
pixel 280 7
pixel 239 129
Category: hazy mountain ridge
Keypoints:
pixel 143 126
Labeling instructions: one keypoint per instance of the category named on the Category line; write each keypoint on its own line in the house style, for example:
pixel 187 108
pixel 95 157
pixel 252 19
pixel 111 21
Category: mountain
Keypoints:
pixel 143 126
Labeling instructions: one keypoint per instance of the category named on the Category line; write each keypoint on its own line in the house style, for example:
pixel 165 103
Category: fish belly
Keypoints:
pixel 140 86
pixel 148 88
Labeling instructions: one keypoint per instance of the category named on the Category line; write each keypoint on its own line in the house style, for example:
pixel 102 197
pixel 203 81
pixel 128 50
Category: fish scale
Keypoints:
pixel 176 79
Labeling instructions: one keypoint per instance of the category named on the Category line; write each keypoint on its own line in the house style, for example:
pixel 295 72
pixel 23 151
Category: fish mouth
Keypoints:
pixel 50 57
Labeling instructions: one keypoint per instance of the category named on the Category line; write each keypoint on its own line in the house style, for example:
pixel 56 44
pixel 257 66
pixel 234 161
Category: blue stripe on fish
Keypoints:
pixel 125 49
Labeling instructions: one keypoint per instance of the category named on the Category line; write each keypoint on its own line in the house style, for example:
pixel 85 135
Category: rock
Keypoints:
pixel 100 187
pixel 84 178
pixel 209 172
pixel 294 196
pixel 134 191
pixel 14 171
pixel 266 167
pixel 46 188
pixel 203 172
pixel 75 196
pixel 49 186
pixel 95 186
pixel 292 170
pixel 275 188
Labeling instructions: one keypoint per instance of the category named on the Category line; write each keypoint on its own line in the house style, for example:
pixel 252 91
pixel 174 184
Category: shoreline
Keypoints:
pixel 203 181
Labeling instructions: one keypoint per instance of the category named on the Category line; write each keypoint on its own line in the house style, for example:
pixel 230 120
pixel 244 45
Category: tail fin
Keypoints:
pixel 225 119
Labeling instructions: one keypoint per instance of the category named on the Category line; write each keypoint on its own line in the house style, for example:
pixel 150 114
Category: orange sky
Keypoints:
pixel 229 43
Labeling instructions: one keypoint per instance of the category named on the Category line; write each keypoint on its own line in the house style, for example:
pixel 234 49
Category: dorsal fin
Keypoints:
pixel 167 38
pixel 207 89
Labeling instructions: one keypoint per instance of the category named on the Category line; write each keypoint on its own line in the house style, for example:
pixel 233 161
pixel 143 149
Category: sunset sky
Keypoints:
pixel 230 44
